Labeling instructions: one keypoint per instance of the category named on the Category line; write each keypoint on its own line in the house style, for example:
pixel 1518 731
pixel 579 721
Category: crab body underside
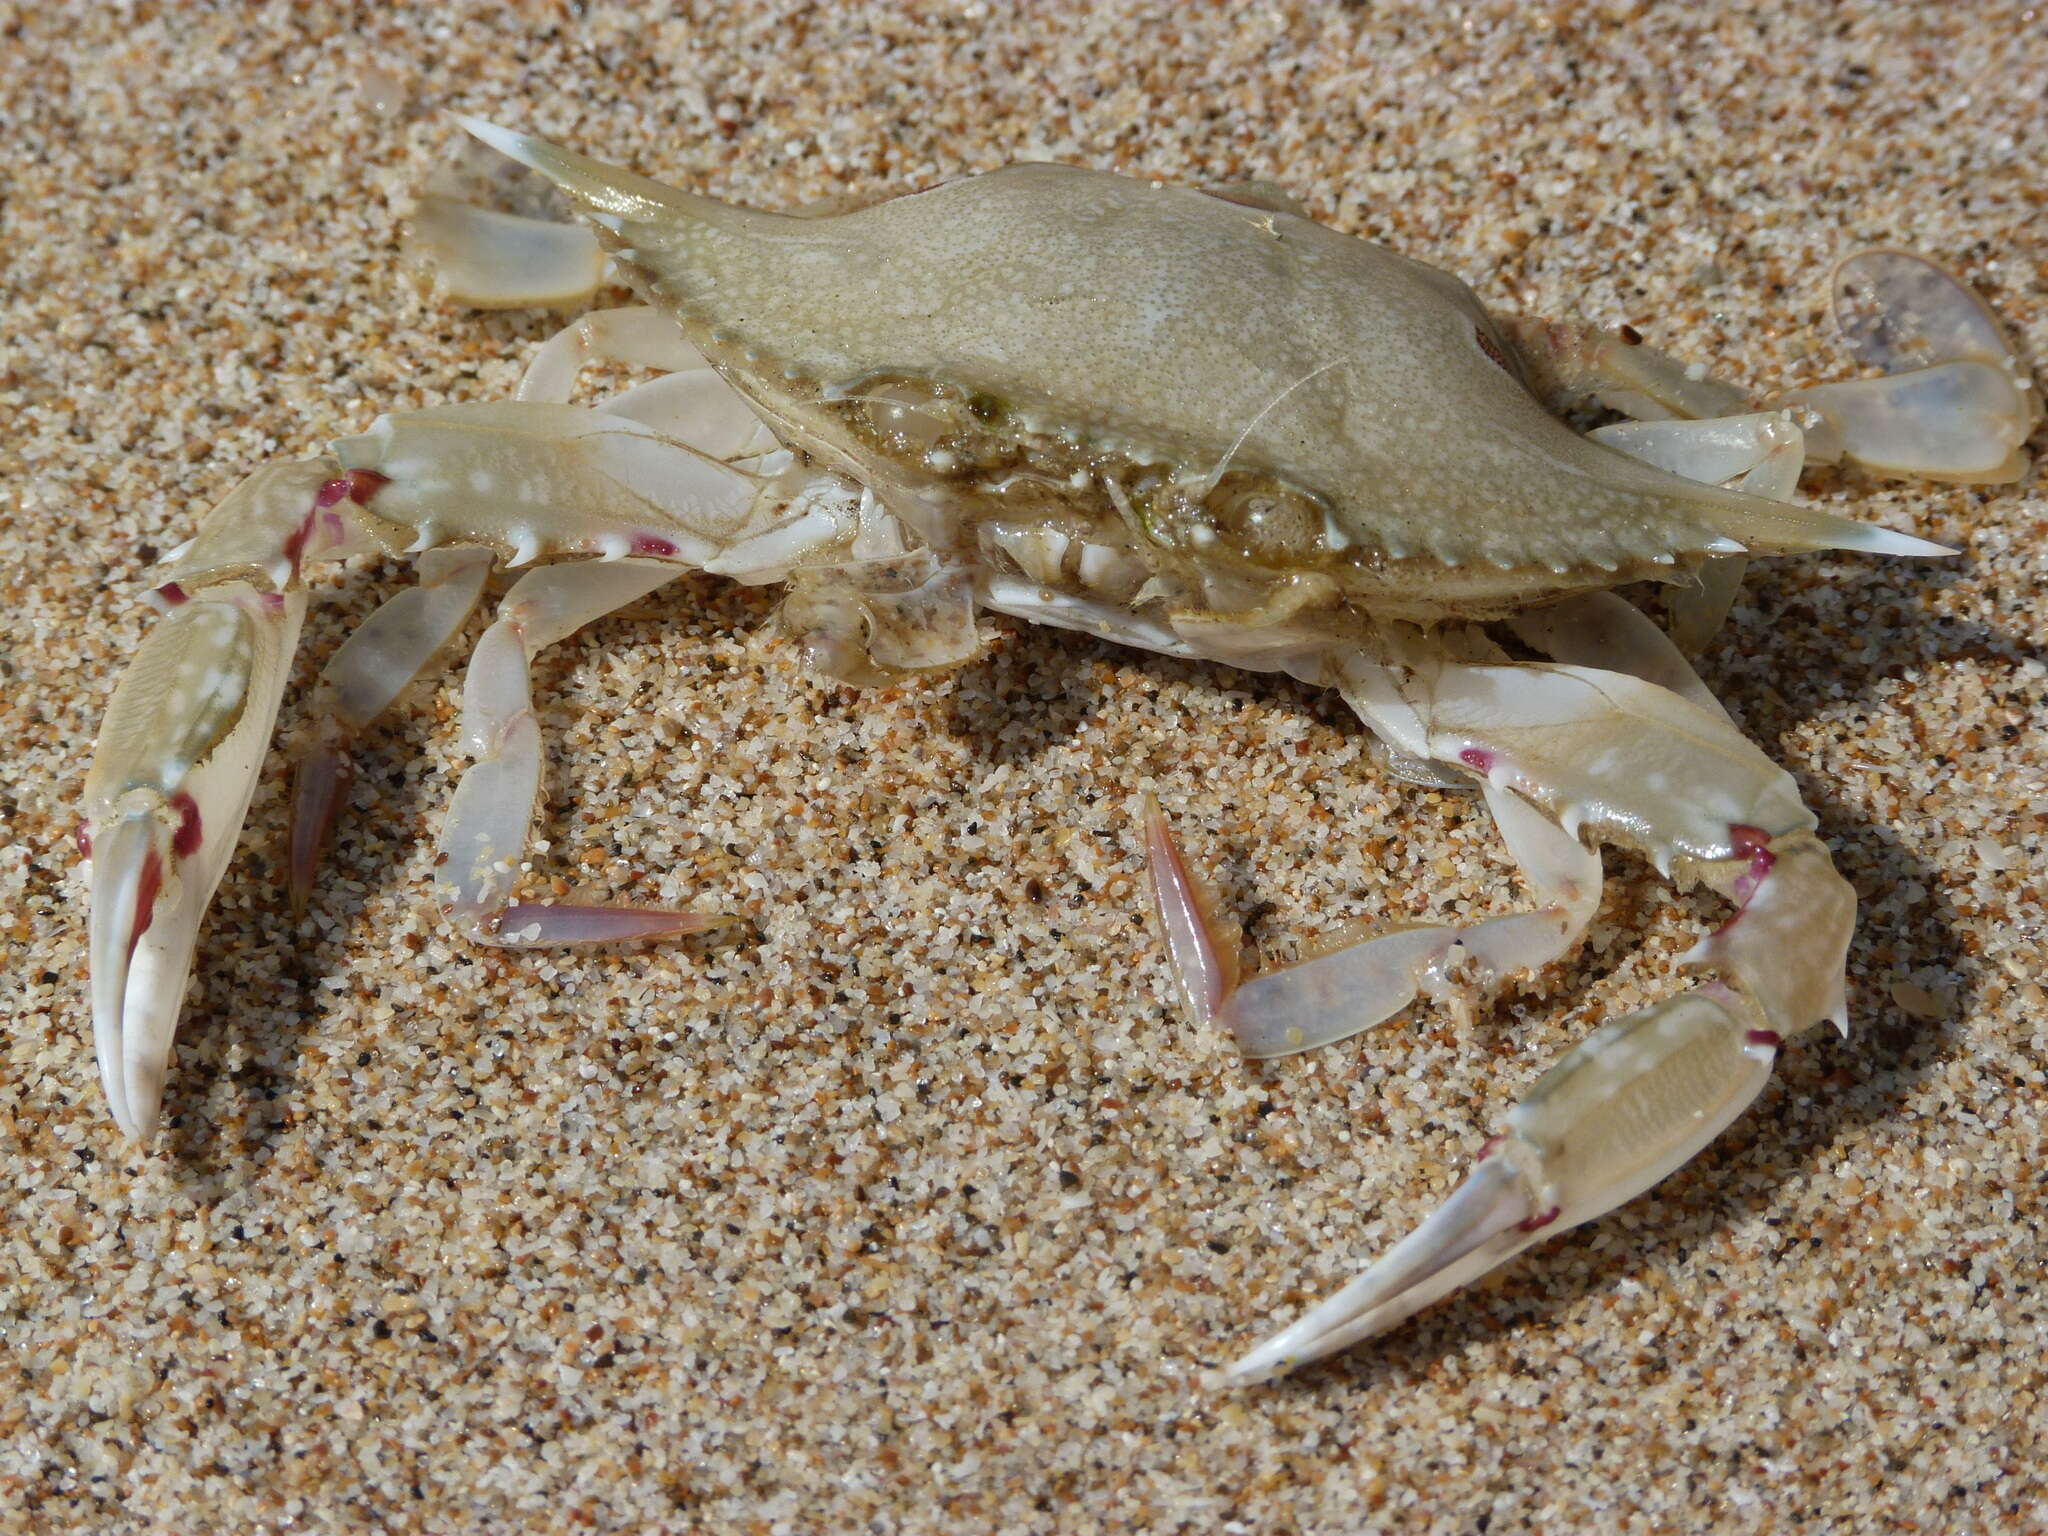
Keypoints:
pixel 1190 421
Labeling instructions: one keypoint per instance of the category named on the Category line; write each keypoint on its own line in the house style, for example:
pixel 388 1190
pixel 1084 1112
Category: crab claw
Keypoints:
pixel 1635 1100
pixel 171 779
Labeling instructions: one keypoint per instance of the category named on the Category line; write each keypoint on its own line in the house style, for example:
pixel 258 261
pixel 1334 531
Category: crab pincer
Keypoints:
pixel 1642 1094
pixel 177 762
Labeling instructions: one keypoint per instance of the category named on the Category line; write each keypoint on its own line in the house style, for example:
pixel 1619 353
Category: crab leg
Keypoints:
pixel 1599 629
pixel 489 259
pixel 637 335
pixel 185 733
pixel 1351 986
pixel 1961 421
pixel 656 433
pixel 488 821
pixel 361 679
pixel 1639 765
pixel 1568 362
pixel 1955 403
pixel 178 753
pixel 1632 1103
pixel 170 783
pixel 1761 453
pixel 689 400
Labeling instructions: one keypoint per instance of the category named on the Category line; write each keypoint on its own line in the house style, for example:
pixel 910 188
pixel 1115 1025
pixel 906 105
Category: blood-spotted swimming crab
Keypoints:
pixel 1191 421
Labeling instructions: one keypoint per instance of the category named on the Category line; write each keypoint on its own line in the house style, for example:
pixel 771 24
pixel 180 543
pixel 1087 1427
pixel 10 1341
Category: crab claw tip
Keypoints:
pixel 1486 1219
pixel 523 925
pixel 134 1010
pixel 1202 947
pixel 506 141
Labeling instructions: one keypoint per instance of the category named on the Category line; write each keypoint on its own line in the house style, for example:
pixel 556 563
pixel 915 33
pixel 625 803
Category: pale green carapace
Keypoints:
pixel 1167 336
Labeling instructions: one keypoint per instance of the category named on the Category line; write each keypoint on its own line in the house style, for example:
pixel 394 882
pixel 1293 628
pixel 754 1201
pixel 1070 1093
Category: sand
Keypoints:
pixel 917 1206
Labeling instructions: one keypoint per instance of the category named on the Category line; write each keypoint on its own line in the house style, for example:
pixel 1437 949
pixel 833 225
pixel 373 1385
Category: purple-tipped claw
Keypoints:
pixel 322 783
pixel 1201 947
pixel 170 783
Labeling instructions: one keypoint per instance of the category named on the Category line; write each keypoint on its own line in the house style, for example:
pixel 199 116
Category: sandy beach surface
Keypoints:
pixel 917 1206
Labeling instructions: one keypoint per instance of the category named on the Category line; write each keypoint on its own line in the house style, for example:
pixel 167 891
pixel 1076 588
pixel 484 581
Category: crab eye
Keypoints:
pixel 1267 523
pixel 905 416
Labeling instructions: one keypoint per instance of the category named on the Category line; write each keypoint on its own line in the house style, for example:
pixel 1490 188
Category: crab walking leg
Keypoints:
pixel 530 479
pixel 1962 422
pixel 1600 629
pixel 1761 453
pixel 637 335
pixel 1644 1093
pixel 371 669
pixel 1201 947
pixel 690 400
pixel 1567 362
pixel 694 407
pixel 488 821
pixel 1717 451
pixel 490 259
pixel 1955 404
pixel 1350 987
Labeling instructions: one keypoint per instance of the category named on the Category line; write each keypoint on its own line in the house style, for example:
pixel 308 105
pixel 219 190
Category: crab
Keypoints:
pixel 1193 421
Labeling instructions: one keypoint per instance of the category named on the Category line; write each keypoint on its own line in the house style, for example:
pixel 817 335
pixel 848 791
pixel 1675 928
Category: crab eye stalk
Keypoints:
pixel 1268 523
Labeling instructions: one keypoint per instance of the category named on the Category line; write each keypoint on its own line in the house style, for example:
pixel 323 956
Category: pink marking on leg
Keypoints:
pixel 1538 1223
pixel 145 898
pixel 1748 841
pixel 1754 844
pixel 295 543
pixel 185 841
pixel 648 544
pixel 170 594
pixel 358 486
pixel 365 483
pixel 1492 1146
pixel 1768 1037
pixel 84 836
pixel 1477 758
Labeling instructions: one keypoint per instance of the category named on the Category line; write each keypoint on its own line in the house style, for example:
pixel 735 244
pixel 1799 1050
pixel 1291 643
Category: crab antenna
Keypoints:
pixel 1210 481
